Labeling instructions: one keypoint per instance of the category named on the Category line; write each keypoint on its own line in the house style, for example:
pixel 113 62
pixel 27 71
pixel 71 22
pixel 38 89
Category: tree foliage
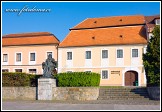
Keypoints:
pixel 151 59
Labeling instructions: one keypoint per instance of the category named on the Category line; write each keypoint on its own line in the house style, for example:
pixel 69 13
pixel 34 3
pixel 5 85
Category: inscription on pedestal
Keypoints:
pixel 45 88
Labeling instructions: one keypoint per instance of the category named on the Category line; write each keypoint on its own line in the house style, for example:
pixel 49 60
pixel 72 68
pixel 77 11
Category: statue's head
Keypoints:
pixel 50 56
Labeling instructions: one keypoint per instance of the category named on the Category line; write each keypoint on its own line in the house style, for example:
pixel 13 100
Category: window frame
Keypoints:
pixel 18 62
pixel 18 69
pixel 31 69
pixel 19 57
pixel 69 57
pixel 102 74
pixel 5 58
pixel 69 71
pixel 103 56
pixel 34 56
pixel 88 56
pixel 135 54
pixel 5 69
pixel 119 53
pixel 88 70
pixel 156 21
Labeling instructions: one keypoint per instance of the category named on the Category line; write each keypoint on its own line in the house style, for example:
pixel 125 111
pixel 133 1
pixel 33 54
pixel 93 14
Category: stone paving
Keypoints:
pixel 80 105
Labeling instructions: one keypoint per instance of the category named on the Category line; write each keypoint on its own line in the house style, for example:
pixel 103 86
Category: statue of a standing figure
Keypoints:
pixel 49 67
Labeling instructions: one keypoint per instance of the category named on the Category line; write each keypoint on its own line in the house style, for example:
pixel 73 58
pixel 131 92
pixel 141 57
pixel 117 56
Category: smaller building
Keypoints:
pixel 151 21
pixel 25 52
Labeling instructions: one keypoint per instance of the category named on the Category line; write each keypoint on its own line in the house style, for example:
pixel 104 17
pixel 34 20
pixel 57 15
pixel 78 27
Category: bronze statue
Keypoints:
pixel 49 67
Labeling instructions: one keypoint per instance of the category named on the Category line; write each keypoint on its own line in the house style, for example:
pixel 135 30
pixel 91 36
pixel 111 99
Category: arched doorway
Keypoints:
pixel 130 78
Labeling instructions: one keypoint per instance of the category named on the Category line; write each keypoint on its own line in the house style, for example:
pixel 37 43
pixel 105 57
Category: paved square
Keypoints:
pixel 79 105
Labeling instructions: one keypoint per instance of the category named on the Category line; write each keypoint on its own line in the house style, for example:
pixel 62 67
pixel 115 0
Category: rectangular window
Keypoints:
pixel 134 52
pixel 157 21
pixel 69 55
pixel 18 70
pixel 88 71
pixel 104 74
pixel 88 54
pixel 119 53
pixel 18 57
pixel 32 56
pixel 5 70
pixel 104 53
pixel 49 53
pixel 5 57
pixel 32 71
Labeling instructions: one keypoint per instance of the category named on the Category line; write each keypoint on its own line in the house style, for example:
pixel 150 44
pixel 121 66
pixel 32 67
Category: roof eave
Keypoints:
pixel 30 44
pixel 102 45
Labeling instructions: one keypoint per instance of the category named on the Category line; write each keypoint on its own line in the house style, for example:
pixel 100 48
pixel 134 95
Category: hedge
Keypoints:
pixel 78 79
pixel 74 79
pixel 19 79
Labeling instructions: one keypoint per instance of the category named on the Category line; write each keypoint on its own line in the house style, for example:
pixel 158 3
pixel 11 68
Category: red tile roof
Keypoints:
pixel 150 21
pixel 29 39
pixel 105 36
pixel 110 21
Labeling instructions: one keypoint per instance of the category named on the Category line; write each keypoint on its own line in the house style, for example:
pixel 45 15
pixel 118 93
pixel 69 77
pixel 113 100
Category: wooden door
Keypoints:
pixel 130 78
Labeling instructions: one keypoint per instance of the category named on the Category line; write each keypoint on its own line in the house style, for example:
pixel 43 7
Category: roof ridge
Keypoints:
pixel 111 21
pixel 116 16
pixel 153 15
pixel 31 34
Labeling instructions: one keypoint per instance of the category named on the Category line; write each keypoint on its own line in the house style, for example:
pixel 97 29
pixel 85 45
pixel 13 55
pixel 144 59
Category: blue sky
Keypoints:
pixel 65 15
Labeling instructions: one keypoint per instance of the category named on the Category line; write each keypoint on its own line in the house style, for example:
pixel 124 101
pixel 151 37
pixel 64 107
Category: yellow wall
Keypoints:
pixel 78 62
pixel 41 56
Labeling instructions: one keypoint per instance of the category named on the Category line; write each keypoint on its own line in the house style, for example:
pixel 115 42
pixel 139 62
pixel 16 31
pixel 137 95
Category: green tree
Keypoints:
pixel 151 59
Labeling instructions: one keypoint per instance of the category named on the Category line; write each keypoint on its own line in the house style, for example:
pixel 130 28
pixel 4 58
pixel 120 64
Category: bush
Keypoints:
pixel 19 79
pixel 34 80
pixel 78 79
pixel 15 79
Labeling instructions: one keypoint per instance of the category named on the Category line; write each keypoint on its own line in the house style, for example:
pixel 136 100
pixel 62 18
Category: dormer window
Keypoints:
pixel 157 21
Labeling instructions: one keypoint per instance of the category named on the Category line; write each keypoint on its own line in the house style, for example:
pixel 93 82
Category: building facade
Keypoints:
pixel 110 46
pixel 26 52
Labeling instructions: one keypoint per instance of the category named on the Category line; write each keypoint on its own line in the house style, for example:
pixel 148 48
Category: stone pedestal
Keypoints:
pixel 45 88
